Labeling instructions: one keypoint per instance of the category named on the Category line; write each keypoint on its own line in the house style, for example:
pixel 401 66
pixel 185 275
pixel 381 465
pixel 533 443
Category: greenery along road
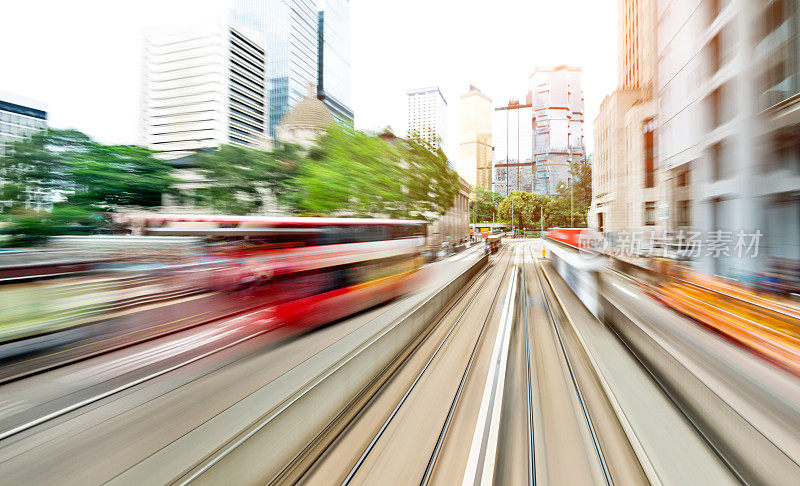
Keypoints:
pixel 486 206
pixel 347 172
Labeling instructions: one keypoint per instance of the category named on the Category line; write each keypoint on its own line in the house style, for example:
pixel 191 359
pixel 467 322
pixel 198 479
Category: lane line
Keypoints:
pixel 636 444
pixel 102 340
pixel 483 450
pixel 27 425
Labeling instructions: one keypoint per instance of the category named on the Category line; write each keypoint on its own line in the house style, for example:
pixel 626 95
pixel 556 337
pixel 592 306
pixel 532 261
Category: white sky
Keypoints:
pixel 83 57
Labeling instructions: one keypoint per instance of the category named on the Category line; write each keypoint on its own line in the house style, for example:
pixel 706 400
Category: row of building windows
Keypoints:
pixel 20 120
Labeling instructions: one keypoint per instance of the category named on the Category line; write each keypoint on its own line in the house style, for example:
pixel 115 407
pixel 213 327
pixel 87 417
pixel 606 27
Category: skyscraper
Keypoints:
pixel 512 135
pixel 636 45
pixel 203 87
pixel 292 48
pixel 427 115
pixel 475 138
pixel 333 58
pixel 557 100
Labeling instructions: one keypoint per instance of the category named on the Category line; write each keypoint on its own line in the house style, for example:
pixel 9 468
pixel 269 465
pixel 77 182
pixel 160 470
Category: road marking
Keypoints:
pixel 20 428
pixel 623 289
pixel 484 439
pixel 102 340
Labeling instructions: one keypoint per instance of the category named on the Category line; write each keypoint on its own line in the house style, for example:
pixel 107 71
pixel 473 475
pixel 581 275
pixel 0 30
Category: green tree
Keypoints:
pixel 26 227
pixel 41 163
pixel 578 189
pixel 526 208
pixel 350 172
pixel 234 179
pixel 557 212
pixel 112 176
pixel 483 205
pixel 67 163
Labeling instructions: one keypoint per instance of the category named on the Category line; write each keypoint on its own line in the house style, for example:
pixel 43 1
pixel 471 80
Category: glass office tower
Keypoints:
pixel 333 80
pixel 291 28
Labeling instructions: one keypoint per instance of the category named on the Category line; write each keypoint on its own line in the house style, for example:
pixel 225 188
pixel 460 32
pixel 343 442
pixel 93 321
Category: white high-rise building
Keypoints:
pixel 513 148
pixel 19 118
pixel 427 115
pixel 557 99
pixel 202 87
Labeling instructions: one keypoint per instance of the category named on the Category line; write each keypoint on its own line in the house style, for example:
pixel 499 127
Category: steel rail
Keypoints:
pixel 454 404
pixel 354 470
pixel 584 409
pixel 531 442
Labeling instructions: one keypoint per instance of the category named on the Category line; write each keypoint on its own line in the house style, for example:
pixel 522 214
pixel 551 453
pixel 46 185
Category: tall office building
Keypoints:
pixel 475 138
pixel 19 118
pixel 628 192
pixel 556 96
pixel 427 115
pixel 333 58
pixel 512 135
pixel 729 130
pixel 292 48
pixel 203 87
pixel 636 45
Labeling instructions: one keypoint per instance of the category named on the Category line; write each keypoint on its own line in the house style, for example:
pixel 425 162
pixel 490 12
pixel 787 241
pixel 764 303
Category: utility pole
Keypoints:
pixel 569 181
pixel 541 220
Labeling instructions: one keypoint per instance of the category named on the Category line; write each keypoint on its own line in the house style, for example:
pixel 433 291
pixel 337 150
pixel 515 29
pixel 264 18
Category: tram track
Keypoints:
pixel 372 435
pixel 523 406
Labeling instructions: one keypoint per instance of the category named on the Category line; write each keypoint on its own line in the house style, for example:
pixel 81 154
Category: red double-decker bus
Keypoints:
pixel 313 270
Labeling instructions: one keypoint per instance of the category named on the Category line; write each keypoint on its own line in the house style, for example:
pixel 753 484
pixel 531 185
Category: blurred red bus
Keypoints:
pixel 314 270
pixel 578 238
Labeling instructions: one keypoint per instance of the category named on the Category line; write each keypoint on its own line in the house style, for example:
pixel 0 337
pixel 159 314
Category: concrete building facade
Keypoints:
pixel 513 135
pixel 628 193
pixel 452 227
pixel 475 138
pixel 427 115
pixel 19 118
pixel 202 87
pixel 608 212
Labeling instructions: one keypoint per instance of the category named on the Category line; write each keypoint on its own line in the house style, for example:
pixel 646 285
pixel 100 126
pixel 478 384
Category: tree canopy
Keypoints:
pixel 69 165
pixel 528 207
pixel 350 172
pixel 525 206
pixel 483 205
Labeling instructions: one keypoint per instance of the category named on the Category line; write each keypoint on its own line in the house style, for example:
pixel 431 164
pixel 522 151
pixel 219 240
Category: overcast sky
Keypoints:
pixel 83 58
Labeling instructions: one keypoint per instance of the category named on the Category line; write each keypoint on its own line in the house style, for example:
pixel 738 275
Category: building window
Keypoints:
pixel 716 108
pixel 683 178
pixel 716 161
pixel 715 54
pixel 649 157
pixel 650 213
pixel 683 212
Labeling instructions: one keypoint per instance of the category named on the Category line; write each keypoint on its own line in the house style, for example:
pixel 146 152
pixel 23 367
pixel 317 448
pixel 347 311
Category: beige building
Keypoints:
pixel 608 210
pixel 628 191
pixel 453 226
pixel 636 45
pixel 306 122
pixel 475 138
